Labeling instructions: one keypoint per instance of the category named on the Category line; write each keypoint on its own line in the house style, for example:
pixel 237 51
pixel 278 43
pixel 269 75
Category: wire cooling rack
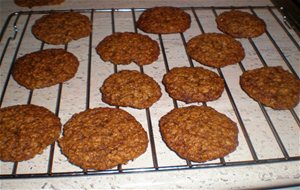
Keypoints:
pixel 265 135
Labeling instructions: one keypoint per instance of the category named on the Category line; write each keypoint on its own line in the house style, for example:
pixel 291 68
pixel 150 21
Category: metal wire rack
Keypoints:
pixel 282 126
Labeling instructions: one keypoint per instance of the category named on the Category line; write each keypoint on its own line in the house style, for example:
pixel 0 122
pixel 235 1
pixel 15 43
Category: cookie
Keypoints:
pixel 199 133
pixel 124 48
pixel 102 138
pixel 240 24
pixel 25 131
pixel 61 27
pixel 34 3
pixel 272 86
pixel 164 20
pixel 45 68
pixel 130 88
pixel 193 84
pixel 215 50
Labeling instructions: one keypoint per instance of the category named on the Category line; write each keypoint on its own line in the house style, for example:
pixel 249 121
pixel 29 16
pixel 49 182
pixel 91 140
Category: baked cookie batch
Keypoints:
pixel 102 138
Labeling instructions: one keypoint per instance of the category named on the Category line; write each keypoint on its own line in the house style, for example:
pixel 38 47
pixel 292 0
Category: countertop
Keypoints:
pixel 229 177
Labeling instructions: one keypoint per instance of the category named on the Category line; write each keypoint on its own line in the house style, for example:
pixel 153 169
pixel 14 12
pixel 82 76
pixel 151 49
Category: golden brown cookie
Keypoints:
pixel 25 131
pixel 272 86
pixel 124 48
pixel 199 133
pixel 45 68
pixel 62 27
pixel 102 138
pixel 215 50
pixel 130 88
pixel 193 84
pixel 34 3
pixel 164 20
pixel 240 24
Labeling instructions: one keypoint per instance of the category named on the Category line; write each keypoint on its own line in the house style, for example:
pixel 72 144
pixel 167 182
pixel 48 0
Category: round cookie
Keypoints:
pixel 102 138
pixel 199 133
pixel 45 68
pixel 130 88
pixel 25 131
pixel 240 24
pixel 215 50
pixel 124 48
pixel 193 84
pixel 164 20
pixel 61 27
pixel 33 3
pixel 272 86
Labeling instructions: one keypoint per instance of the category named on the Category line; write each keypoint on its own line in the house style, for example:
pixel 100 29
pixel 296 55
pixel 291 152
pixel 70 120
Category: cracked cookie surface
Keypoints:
pixel 240 24
pixel 102 138
pixel 25 131
pixel 164 20
pixel 61 27
pixel 193 84
pixel 272 86
pixel 126 47
pixel 130 88
pixel 199 133
pixel 45 68
pixel 215 50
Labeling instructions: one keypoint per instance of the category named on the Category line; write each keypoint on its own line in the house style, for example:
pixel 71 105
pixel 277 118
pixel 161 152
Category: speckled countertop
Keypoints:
pixel 73 99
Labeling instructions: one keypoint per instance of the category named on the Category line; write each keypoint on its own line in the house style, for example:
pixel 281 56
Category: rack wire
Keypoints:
pixel 17 29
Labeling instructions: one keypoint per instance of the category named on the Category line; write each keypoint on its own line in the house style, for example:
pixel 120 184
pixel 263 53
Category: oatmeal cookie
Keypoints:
pixel 240 24
pixel 164 20
pixel 34 3
pixel 272 86
pixel 61 27
pixel 130 88
pixel 45 68
pixel 102 138
pixel 215 50
pixel 25 131
pixel 199 133
pixel 193 84
pixel 124 48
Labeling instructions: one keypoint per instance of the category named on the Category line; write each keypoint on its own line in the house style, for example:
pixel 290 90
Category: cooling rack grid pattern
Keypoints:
pixel 265 135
